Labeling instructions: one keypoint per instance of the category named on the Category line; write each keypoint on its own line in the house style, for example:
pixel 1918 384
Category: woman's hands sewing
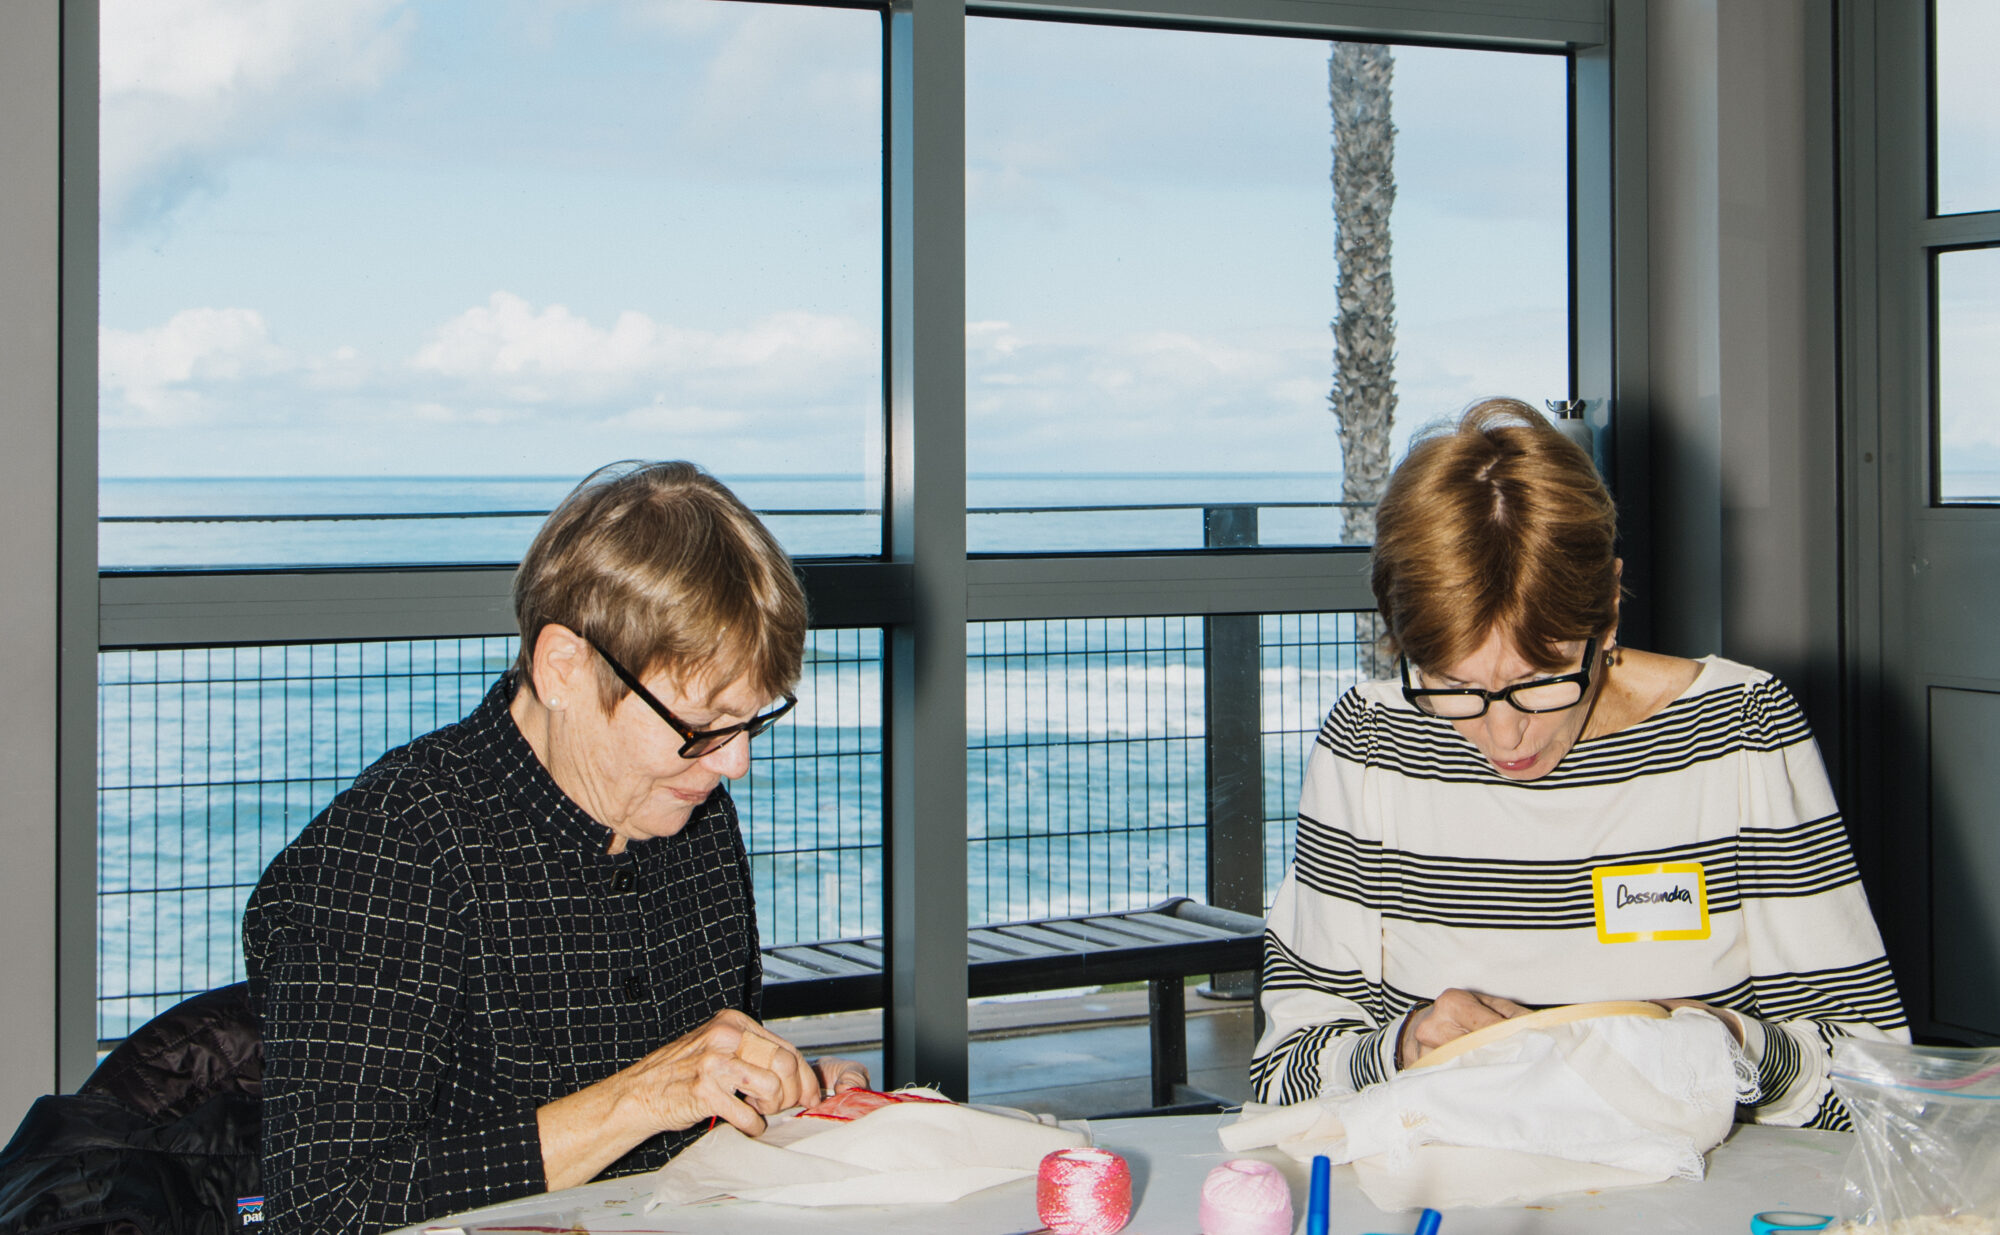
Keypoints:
pixel 837 1076
pixel 1453 1014
pixel 732 1069
pixel 1457 1012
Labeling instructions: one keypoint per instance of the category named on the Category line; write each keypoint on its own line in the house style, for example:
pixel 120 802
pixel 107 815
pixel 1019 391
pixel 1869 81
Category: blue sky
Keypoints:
pixel 375 237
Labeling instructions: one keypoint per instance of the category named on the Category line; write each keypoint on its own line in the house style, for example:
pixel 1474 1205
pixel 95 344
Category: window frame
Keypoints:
pixel 925 587
pixel 1890 237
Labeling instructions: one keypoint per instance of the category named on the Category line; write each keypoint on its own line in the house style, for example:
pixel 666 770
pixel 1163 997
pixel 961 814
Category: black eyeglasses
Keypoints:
pixel 1540 695
pixel 698 742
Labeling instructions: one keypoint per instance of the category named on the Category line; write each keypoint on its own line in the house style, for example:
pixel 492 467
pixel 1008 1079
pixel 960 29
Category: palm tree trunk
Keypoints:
pixel 1364 350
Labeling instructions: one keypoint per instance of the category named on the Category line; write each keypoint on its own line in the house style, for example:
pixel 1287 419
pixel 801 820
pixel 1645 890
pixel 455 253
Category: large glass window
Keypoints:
pixel 1967 105
pixel 210 760
pixel 381 280
pixel 1151 269
pixel 1968 376
pixel 1087 755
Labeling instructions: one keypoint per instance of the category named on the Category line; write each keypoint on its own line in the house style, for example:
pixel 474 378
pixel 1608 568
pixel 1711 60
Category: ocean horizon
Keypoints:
pixel 187 523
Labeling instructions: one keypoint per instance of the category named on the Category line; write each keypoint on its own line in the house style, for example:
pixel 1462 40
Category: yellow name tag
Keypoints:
pixel 1657 900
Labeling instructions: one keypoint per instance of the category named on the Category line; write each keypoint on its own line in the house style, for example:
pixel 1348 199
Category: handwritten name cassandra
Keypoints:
pixel 1671 896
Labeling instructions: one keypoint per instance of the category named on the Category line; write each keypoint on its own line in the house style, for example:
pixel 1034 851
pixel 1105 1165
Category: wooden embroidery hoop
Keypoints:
pixel 1545 1019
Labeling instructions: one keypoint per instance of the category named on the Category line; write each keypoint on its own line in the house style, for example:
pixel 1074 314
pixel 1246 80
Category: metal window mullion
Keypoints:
pixel 1959 230
pixel 209 608
pixel 1610 306
pixel 76 717
pixel 1507 24
pixel 925 1022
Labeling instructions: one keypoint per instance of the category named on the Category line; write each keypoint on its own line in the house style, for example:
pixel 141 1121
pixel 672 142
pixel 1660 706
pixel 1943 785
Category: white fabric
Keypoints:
pixel 1420 868
pixel 914 1153
pixel 1589 1104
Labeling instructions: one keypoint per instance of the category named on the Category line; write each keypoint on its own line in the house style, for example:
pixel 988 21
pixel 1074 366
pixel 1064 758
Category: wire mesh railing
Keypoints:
pixel 1084 765
pixel 1085 775
pixel 210 760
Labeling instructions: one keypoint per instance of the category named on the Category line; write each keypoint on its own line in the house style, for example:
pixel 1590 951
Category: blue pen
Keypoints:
pixel 1427 1222
pixel 1316 1200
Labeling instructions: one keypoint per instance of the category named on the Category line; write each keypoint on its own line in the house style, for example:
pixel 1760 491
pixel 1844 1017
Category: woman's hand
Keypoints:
pixel 1729 1019
pixel 837 1076
pixel 1453 1014
pixel 732 1069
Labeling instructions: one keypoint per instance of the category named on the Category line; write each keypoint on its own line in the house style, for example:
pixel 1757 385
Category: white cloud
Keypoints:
pixel 508 348
pixel 1223 400
pixel 186 84
pixel 681 18
pixel 789 86
pixel 1153 400
pixel 163 375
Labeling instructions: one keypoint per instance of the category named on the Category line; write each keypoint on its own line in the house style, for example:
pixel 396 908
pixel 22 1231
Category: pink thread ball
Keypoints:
pixel 1246 1197
pixel 1084 1192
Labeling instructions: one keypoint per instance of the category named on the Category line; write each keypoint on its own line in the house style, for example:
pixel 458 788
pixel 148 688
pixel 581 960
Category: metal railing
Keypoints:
pixel 1097 755
pixel 334 538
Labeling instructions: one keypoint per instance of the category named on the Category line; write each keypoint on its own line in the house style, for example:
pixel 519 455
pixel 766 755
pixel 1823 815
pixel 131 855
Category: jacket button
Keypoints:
pixel 635 988
pixel 621 883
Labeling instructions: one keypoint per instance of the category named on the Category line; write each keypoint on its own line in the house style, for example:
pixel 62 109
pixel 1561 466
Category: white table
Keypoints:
pixel 1756 1169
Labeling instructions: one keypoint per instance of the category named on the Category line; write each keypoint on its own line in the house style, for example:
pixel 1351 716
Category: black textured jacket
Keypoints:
pixel 161 1140
pixel 447 948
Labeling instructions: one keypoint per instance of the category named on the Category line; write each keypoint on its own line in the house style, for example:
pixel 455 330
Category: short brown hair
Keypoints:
pixel 664 569
pixel 1501 523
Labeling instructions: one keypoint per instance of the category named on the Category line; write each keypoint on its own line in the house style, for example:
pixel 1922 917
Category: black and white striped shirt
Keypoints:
pixel 447 948
pixel 1419 867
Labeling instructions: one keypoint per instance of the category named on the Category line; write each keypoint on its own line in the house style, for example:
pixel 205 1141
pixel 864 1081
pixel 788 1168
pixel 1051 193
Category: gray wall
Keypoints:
pixel 1744 420
pixel 30 206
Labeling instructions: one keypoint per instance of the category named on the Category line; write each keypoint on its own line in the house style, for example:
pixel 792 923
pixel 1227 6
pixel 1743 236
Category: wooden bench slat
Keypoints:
pixel 1099 935
pixel 1189 929
pixel 1152 928
pixel 1011 941
pixel 1055 942
pixel 978 951
pixel 866 952
pixel 778 969
pixel 823 962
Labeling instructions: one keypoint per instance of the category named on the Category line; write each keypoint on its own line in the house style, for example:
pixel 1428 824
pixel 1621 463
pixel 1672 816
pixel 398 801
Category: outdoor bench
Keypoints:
pixel 1160 946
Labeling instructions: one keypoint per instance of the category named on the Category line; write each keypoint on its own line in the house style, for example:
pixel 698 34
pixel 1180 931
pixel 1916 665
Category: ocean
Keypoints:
pixel 1085 766
pixel 205 522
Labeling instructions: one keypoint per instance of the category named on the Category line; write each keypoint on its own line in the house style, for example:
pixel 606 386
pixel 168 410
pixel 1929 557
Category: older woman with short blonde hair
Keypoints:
pixel 521 951
pixel 1532 814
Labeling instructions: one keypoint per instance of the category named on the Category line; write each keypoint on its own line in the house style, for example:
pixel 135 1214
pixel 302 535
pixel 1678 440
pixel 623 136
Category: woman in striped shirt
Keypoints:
pixel 1532 814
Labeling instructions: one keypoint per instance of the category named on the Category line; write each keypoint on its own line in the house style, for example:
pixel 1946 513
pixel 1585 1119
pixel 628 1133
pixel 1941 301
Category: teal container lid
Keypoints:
pixel 1778 1221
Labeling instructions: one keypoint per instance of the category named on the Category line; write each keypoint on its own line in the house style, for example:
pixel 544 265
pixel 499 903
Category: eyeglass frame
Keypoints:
pixel 692 739
pixel 1506 693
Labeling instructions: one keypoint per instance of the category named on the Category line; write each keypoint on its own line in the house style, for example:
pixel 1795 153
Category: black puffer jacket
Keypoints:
pixel 161 1140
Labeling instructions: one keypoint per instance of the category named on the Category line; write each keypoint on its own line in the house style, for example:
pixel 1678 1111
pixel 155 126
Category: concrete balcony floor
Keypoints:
pixel 1072 1055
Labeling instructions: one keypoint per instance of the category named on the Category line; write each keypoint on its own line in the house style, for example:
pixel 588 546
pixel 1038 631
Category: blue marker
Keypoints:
pixel 1427 1222
pixel 1316 1200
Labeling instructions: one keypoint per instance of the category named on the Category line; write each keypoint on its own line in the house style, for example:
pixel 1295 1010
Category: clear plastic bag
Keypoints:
pixel 1927 1134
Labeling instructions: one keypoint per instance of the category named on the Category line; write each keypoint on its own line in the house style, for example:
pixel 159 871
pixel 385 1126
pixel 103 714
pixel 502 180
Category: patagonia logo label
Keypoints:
pixel 1659 900
pixel 249 1209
